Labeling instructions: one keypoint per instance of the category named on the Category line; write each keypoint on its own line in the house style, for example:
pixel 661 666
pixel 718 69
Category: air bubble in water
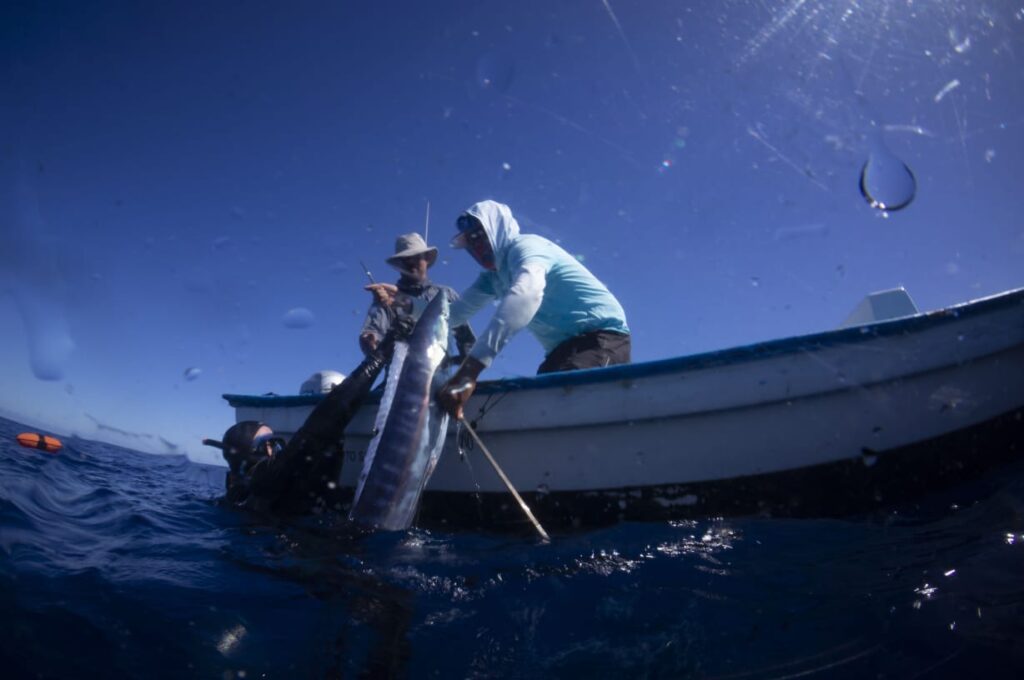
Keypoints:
pixel 298 318
pixel 886 181
pixel 495 72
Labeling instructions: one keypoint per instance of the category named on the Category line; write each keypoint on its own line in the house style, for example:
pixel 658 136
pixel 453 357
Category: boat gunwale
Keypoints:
pixel 723 410
pixel 712 359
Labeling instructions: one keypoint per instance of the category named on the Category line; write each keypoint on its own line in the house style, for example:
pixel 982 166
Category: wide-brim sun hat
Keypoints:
pixel 409 245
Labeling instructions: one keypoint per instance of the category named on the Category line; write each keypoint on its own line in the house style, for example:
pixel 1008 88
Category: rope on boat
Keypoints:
pixel 465 443
pixel 522 504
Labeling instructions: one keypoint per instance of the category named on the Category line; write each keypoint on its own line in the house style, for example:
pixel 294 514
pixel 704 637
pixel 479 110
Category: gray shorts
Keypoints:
pixel 588 350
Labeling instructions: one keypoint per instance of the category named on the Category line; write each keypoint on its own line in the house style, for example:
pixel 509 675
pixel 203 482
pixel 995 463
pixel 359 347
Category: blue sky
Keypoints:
pixel 175 178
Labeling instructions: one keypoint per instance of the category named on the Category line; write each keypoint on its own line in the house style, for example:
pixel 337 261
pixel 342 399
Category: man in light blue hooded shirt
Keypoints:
pixel 538 286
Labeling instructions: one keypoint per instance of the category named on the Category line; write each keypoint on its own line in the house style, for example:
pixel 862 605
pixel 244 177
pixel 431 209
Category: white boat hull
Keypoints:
pixel 666 433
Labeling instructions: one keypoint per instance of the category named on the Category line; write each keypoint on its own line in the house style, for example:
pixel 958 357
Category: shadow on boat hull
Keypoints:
pixel 877 480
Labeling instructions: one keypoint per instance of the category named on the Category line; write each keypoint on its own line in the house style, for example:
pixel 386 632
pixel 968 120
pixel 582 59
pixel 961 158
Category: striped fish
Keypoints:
pixel 411 427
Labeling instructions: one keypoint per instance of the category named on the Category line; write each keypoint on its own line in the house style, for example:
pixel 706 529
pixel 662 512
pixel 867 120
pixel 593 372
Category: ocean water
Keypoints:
pixel 115 563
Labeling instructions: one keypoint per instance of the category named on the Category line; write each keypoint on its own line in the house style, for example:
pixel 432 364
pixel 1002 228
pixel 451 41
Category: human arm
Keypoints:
pixel 378 317
pixel 465 338
pixel 472 300
pixel 463 332
pixel 515 310
pixel 384 293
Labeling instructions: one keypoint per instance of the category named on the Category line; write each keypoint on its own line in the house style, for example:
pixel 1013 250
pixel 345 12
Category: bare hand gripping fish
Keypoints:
pixel 411 427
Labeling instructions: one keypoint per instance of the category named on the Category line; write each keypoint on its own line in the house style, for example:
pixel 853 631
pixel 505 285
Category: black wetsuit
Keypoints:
pixel 304 476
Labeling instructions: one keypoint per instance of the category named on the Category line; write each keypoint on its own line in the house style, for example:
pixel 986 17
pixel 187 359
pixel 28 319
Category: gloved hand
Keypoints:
pixel 385 347
pixel 403 326
pixel 454 394
pixel 368 342
pixel 383 293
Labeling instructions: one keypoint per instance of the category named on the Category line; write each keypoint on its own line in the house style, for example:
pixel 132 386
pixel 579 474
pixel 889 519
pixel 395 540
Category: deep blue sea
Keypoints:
pixel 115 563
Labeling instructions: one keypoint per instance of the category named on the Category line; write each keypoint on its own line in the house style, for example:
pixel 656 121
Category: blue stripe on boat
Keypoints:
pixel 734 355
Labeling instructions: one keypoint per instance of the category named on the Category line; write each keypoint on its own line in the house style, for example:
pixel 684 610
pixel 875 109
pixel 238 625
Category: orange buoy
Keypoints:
pixel 34 440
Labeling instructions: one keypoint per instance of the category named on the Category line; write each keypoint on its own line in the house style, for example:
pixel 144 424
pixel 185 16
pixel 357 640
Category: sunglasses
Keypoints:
pixel 471 232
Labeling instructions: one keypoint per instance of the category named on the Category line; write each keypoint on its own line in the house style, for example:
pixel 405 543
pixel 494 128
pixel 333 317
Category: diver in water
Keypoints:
pixel 266 474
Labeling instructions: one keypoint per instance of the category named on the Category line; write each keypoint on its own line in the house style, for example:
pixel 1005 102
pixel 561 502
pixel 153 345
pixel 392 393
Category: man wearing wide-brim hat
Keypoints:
pixel 407 299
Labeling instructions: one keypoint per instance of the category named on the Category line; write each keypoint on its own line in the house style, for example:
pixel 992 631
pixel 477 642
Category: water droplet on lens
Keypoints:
pixel 298 318
pixel 886 181
pixel 495 72
pixel 50 343
pixel 49 354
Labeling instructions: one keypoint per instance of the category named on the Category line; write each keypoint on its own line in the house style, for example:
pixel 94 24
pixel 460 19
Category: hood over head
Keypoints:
pixel 499 224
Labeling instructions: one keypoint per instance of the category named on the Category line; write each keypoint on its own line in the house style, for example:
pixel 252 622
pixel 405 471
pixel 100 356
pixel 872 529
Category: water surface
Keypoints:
pixel 115 563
